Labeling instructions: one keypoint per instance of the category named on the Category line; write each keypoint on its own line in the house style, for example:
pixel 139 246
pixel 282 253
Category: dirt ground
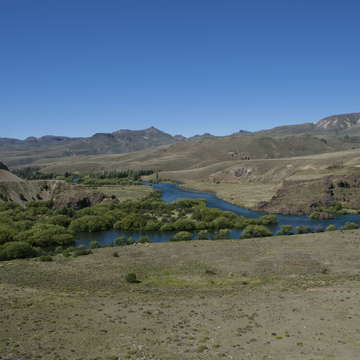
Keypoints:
pixel 293 297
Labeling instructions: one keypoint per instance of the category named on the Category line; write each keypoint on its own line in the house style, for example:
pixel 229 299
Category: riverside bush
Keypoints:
pixel 252 231
pixel 17 250
pixel 350 226
pixel 182 235
pixel 285 230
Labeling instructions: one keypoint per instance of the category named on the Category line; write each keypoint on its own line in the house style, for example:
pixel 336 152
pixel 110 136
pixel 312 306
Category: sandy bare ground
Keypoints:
pixel 290 298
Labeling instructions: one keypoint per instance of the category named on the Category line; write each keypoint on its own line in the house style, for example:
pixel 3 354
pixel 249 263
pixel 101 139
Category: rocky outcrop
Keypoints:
pixel 305 197
pixel 60 192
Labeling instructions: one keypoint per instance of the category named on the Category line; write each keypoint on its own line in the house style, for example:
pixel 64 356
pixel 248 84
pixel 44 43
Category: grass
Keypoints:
pixel 246 195
pixel 83 308
pixel 126 192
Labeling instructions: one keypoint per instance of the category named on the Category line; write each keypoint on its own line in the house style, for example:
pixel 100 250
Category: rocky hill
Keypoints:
pixel 335 125
pixel 339 122
pixel 12 188
pixel 18 152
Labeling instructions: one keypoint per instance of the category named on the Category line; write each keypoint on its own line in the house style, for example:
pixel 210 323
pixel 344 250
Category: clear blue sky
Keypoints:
pixel 76 67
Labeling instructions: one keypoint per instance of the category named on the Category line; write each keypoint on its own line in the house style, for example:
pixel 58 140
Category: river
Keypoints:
pixel 172 192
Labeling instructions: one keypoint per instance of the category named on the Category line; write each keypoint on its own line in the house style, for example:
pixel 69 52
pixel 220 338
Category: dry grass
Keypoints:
pixel 126 192
pixel 268 298
pixel 246 195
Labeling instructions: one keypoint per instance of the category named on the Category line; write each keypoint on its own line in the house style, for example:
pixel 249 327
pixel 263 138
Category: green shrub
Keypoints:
pixel 350 226
pixel 314 215
pixel 94 244
pixel 203 235
pixel 144 239
pixel 17 250
pixel 252 231
pixel 167 227
pixel 302 229
pixel 132 222
pixel 331 227
pixel 285 230
pixel 131 278
pixel 222 234
pixel 80 251
pixel 47 235
pixel 90 223
pixel 61 220
pixel 45 258
pixel 130 240
pixel 7 234
pixel 182 235
pixel 268 220
pixel 121 241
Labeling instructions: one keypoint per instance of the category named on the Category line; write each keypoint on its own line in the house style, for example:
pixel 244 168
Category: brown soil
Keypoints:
pixel 277 298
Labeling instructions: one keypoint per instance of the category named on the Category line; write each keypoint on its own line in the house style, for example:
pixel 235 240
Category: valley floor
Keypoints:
pixel 290 298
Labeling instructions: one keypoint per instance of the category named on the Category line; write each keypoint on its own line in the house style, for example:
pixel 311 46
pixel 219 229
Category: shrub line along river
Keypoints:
pixel 171 192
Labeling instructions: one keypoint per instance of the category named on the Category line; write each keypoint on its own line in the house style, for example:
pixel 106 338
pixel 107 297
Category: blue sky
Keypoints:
pixel 76 67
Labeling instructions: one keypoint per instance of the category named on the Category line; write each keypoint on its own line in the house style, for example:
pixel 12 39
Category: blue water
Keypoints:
pixel 171 192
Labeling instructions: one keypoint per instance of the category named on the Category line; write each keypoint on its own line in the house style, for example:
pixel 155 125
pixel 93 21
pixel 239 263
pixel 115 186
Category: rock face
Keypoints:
pixel 304 197
pixel 60 192
pixel 339 122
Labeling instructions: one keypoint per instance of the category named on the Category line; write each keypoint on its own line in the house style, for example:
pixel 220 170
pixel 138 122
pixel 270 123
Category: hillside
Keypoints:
pixel 17 152
pixel 197 154
pixel 12 188
pixel 334 125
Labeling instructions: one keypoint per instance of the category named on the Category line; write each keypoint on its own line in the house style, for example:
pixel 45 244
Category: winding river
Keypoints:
pixel 171 192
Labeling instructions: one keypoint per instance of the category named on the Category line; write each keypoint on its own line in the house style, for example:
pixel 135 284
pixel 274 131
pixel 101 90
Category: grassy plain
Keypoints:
pixel 125 192
pixel 279 298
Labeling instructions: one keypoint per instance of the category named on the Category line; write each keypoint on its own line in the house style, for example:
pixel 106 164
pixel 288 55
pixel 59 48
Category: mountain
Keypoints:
pixel 19 152
pixel 339 122
pixel 334 125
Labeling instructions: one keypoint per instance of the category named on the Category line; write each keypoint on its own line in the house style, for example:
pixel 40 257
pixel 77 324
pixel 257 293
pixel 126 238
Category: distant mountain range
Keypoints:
pixel 344 128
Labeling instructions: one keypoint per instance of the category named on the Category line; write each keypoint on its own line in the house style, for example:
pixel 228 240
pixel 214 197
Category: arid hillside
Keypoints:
pixel 12 188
